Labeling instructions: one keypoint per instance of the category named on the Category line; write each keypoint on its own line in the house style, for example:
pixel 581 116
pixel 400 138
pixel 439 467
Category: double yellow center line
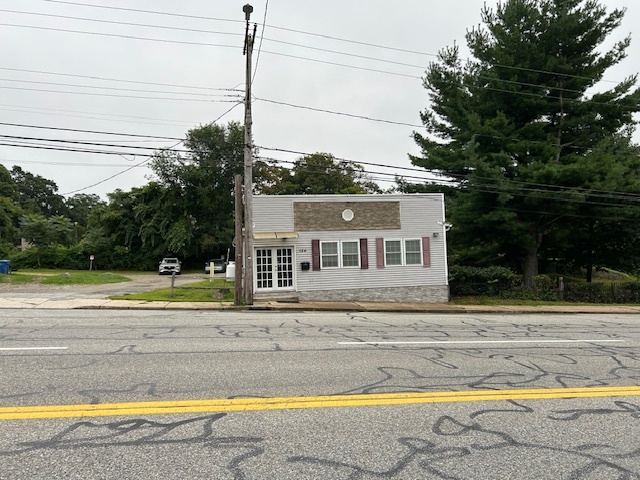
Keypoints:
pixel 284 403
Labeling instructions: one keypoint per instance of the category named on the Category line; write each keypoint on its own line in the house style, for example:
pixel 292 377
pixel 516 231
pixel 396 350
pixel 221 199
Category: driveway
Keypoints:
pixel 138 283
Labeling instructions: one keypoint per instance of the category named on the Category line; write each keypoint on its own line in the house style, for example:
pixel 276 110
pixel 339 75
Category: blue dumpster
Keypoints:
pixel 5 267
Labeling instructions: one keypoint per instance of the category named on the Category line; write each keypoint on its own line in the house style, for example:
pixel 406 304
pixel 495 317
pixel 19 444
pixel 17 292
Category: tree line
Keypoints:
pixel 186 210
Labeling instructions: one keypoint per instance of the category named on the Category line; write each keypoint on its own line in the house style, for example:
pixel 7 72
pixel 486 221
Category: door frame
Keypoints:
pixel 274 267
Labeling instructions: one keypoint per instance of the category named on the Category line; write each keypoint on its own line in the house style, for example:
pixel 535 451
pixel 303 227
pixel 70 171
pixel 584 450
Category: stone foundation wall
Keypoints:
pixel 424 294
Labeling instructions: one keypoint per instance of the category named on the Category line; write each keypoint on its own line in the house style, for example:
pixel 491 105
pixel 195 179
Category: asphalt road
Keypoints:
pixel 249 395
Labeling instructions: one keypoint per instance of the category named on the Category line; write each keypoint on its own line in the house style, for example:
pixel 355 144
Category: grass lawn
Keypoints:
pixel 218 290
pixel 56 277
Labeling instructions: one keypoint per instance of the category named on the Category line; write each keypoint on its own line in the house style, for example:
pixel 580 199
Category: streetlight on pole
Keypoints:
pixel 248 162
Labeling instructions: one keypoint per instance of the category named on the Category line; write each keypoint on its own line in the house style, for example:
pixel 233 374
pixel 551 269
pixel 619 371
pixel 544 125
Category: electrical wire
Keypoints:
pixel 294 56
pixel 522 186
pixel 139 97
pixel 113 35
pixel 333 112
pixel 110 79
pixel 67 164
pixel 78 130
pixel 318 35
pixel 100 87
pixel 495 188
pixel 83 142
pixel 537 188
pixel 106 179
pixel 194 30
pixel 137 10
pixel 377 59
pixel 354 67
pixel 145 161
pixel 264 22
pixel 117 22
pixel 118 118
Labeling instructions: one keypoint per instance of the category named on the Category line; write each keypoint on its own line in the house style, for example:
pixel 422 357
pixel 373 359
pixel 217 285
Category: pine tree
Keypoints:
pixel 518 126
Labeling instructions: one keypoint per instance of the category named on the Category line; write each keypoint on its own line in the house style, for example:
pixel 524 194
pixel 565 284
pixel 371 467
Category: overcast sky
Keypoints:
pixel 178 71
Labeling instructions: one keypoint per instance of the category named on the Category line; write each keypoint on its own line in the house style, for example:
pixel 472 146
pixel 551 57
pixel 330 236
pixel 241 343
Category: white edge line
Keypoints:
pixel 463 342
pixel 12 349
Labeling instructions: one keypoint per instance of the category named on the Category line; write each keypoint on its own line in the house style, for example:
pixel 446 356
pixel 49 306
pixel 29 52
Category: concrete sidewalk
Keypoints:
pixel 43 302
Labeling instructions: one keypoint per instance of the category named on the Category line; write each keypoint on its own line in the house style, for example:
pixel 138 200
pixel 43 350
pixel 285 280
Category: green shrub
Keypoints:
pixel 475 281
pixel 77 258
pixel 7 250
pixel 603 292
pixel 544 288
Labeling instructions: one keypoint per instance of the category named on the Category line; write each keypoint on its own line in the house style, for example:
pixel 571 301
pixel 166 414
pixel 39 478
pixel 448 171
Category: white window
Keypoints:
pixel 350 254
pixel 413 252
pixel 403 252
pixel 329 254
pixel 340 254
pixel 393 252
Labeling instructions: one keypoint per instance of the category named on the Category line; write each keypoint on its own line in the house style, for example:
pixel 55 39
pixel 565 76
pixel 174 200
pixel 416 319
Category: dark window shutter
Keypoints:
pixel 315 254
pixel 380 252
pixel 364 254
pixel 426 252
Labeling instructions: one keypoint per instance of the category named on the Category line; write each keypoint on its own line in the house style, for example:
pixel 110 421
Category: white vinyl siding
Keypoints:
pixel 419 214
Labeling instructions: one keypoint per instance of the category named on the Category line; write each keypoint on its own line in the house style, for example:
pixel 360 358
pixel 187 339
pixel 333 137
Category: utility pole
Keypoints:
pixel 237 291
pixel 248 162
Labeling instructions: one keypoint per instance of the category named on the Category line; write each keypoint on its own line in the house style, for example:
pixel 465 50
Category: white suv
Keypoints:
pixel 169 266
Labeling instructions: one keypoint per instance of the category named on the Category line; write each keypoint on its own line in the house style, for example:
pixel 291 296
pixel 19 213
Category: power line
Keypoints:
pixel 140 120
pixel 496 188
pixel 137 122
pixel 205 44
pixel 377 59
pixel 143 162
pixel 140 97
pixel 488 188
pixel 306 58
pixel 107 179
pixel 82 142
pixel 100 87
pixel 319 35
pixel 77 150
pixel 113 35
pixel 116 22
pixel 77 130
pixel 200 17
pixel 333 112
pixel 264 22
pixel 154 12
pixel 109 79
pixel 103 132
pixel 166 27
pixel 519 185
pixel 355 67
pixel 98 132
pixel 66 164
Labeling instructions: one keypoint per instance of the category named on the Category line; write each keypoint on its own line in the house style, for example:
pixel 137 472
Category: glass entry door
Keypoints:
pixel 274 268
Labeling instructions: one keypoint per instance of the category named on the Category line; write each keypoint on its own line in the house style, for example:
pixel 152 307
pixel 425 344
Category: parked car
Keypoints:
pixel 219 266
pixel 169 265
